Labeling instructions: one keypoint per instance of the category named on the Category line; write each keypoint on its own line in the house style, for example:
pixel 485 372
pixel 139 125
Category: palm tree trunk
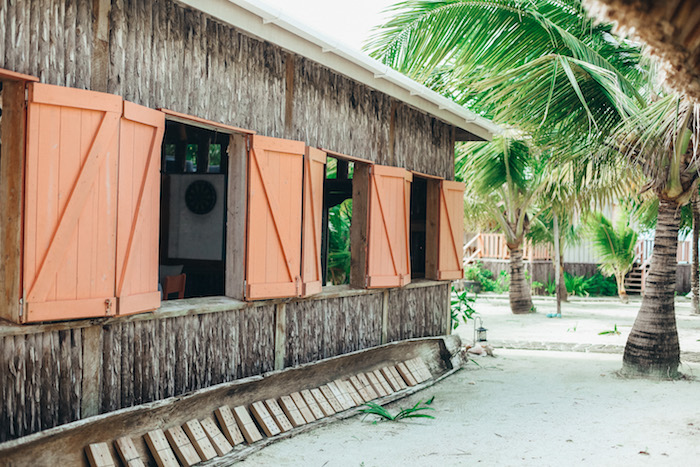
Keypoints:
pixel 520 298
pixel 652 347
pixel 694 271
pixel 557 261
pixel 562 280
pixel 621 292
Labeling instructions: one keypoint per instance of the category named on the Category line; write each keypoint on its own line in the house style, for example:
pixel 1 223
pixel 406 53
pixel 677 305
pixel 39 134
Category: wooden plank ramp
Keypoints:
pixel 214 424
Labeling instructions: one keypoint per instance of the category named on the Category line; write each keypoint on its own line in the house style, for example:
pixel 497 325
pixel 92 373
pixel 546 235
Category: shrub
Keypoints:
pixel 575 285
pixel 582 286
pixel 477 272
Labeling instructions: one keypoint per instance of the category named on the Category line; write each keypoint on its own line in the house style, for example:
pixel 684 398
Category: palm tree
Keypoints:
pixel 615 246
pixel 556 229
pixel 544 66
pixel 694 264
pixel 662 139
pixel 503 180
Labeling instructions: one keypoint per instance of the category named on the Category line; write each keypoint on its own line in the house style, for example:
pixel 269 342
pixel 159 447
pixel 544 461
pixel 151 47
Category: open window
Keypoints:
pixel 201 174
pixel 337 219
pixel 338 258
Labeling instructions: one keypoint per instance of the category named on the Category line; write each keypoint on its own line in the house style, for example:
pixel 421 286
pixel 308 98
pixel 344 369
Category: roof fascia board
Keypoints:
pixel 272 26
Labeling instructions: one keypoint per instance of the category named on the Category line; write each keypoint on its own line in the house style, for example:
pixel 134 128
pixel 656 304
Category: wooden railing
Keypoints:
pixel 493 246
pixel 644 249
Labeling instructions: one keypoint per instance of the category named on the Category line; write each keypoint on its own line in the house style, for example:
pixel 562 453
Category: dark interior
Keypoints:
pixel 419 204
pixel 194 170
pixel 337 187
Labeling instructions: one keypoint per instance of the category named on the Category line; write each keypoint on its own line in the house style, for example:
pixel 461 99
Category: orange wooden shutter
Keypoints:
pixel 451 230
pixel 273 251
pixel 388 261
pixel 314 174
pixel 141 135
pixel 70 203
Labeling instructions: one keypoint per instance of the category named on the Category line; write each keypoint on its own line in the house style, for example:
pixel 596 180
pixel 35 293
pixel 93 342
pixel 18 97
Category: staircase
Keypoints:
pixel 634 280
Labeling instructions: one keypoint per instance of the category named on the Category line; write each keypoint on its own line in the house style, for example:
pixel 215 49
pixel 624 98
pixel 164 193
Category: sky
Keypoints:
pixel 349 22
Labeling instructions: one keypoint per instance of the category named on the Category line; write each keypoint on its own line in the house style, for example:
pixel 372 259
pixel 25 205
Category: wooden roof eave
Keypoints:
pixel 204 123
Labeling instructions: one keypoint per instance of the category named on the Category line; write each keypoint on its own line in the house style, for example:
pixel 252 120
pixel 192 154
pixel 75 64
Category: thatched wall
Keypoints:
pixel 159 54
pixel 56 373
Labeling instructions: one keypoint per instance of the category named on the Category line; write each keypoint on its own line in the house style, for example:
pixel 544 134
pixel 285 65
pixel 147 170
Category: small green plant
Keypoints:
pixel 502 282
pixel 575 285
pixel 573 328
pixel 461 307
pixel 413 412
pixel 551 288
pixel 537 286
pixel 613 331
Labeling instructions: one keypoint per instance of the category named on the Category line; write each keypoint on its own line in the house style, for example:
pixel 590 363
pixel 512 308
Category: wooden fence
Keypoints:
pixel 493 246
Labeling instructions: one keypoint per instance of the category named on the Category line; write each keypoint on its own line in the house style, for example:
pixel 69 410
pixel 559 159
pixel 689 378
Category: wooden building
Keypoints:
pixel 142 140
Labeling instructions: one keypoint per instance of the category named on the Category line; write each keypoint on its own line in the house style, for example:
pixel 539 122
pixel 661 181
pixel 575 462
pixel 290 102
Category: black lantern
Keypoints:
pixel 480 332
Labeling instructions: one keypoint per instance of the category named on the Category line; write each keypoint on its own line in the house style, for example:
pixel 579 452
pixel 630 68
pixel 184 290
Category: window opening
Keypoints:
pixel 337 218
pixel 419 202
pixel 193 209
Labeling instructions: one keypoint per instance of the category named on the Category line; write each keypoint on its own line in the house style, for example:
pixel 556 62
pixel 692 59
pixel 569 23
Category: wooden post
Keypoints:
pixel 280 335
pixel 448 307
pixel 12 134
pixel 236 201
pixel 92 371
pixel 359 225
pixel 385 316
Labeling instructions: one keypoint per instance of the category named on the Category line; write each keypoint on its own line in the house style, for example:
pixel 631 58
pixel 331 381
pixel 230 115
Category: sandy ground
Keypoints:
pixel 581 322
pixel 528 407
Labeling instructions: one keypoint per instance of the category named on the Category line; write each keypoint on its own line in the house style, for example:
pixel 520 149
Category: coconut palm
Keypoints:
pixel 544 66
pixel 662 139
pixel 695 263
pixel 615 247
pixel 503 179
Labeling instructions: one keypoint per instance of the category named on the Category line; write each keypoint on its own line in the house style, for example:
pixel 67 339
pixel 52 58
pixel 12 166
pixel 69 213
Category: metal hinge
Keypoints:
pixel 26 95
pixel 108 306
pixel 21 307
pixel 247 143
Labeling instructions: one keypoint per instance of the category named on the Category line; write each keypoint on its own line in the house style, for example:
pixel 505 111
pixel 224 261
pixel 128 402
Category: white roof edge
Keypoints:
pixel 272 25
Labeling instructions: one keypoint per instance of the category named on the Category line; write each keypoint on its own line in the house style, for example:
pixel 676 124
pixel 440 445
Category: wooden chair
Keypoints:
pixel 174 284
